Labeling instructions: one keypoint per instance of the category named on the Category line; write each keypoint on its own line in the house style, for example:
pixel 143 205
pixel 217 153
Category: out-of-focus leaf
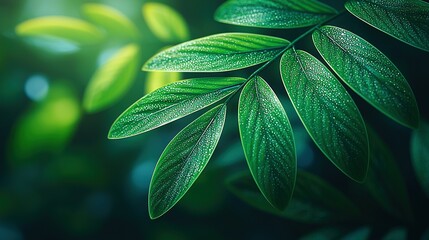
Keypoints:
pixel 111 81
pixel 66 28
pixel 268 143
pixel 359 234
pixel 385 181
pixel 274 13
pixel 368 72
pixel 47 126
pixel 327 111
pixel 396 234
pixel 323 234
pixel 155 80
pixel 313 200
pixel 170 103
pixel 110 19
pixel 165 22
pixel 183 160
pixel 216 53
pixel 406 20
pixel 420 155
pixel 231 155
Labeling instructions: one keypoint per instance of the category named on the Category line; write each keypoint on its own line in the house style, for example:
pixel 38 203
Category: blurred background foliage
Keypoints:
pixel 60 178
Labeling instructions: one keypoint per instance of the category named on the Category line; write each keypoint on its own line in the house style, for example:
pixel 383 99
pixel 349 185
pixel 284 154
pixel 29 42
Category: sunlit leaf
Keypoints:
pixel 396 234
pixel 268 143
pixel 183 160
pixel 216 53
pixel 385 181
pixel 406 20
pixel 313 201
pixel 420 155
pixel 110 19
pixel 112 79
pixel 327 111
pixel 66 28
pixel 170 103
pixel 368 72
pixel 47 126
pixel 155 80
pixel 274 13
pixel 165 22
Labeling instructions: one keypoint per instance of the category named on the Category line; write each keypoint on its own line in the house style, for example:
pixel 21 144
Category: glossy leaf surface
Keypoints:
pixel 406 20
pixel 111 81
pixel 274 13
pixel 155 80
pixel 216 53
pixel 368 72
pixel 165 22
pixel 183 160
pixel 313 201
pixel 66 28
pixel 385 181
pixel 110 19
pixel 420 155
pixel 170 103
pixel 327 111
pixel 268 142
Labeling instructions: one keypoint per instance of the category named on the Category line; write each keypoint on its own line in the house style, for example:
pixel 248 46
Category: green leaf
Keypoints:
pixel 385 181
pixel 110 19
pixel 155 80
pixel 66 28
pixel 170 103
pixel 399 233
pixel 327 233
pixel 274 13
pixel 268 142
pixel 165 22
pixel 215 53
pixel 47 126
pixel 111 81
pixel 362 233
pixel 420 155
pixel 406 20
pixel 183 160
pixel 327 111
pixel 313 201
pixel 368 72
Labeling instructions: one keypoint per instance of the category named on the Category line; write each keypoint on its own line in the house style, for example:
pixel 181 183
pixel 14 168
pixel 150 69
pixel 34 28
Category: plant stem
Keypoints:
pixel 290 45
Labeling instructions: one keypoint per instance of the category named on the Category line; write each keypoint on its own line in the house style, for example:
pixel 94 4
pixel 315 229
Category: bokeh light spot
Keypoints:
pixel 36 87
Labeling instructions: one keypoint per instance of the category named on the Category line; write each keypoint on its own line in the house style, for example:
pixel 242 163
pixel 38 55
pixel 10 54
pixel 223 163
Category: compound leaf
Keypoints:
pixel 183 160
pixel 165 22
pixel 112 80
pixel 268 142
pixel 368 72
pixel 327 111
pixel 215 53
pixel 170 103
pixel 420 155
pixel 274 13
pixel 406 20
pixel 66 28
pixel 110 19
pixel 313 200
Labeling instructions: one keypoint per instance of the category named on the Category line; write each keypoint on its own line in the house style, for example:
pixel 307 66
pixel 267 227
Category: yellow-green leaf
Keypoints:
pixel 165 22
pixel 112 79
pixel 66 28
pixel 155 80
pixel 110 19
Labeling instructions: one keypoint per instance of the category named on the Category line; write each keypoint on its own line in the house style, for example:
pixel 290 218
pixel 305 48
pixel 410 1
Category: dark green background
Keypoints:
pixel 96 188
